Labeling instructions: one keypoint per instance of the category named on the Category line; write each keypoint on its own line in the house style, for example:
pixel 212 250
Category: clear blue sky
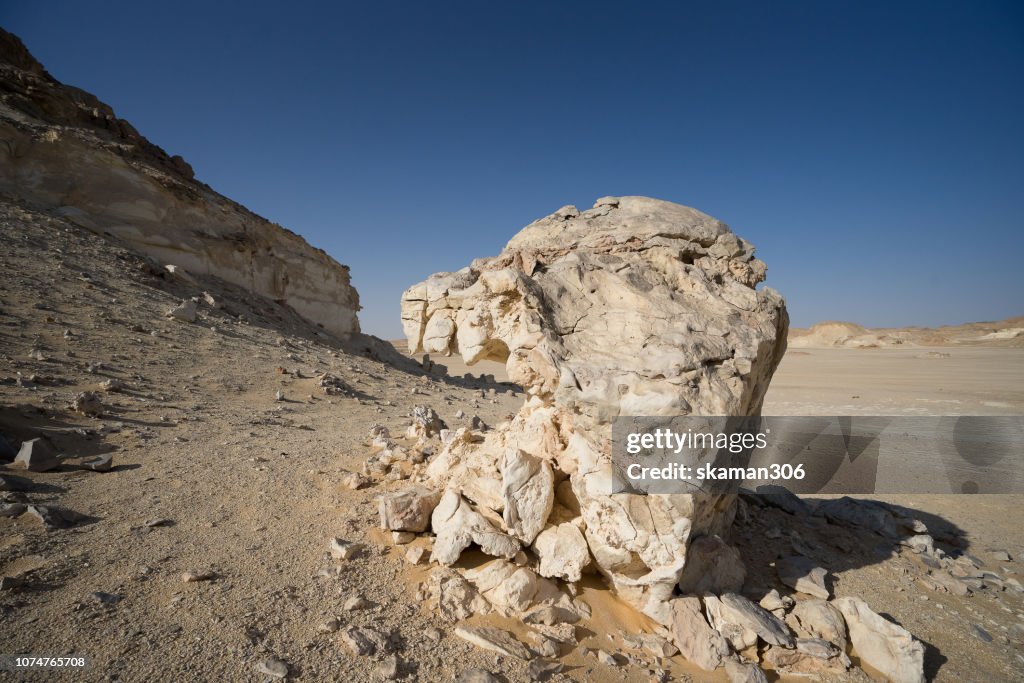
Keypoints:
pixel 873 151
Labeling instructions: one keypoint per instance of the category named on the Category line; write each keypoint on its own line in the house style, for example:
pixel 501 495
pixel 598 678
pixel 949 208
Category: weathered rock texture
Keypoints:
pixel 65 152
pixel 634 307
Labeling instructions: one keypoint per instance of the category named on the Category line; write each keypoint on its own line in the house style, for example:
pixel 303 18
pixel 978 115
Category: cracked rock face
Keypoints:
pixel 633 307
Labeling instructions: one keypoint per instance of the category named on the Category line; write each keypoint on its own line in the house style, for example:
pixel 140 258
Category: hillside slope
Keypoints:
pixel 64 152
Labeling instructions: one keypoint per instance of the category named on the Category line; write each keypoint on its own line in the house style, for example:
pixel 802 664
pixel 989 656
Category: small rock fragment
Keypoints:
pixel 185 311
pixel 802 574
pixel 364 641
pixel 493 639
pixel 407 510
pixel 696 640
pixel 744 672
pixel 415 554
pixel 88 403
pixel 198 575
pixel 99 463
pixel 886 646
pixel 540 669
pixel 343 550
pixel 37 455
pixel 389 667
pixel 402 537
pixel 273 667
pixel 477 676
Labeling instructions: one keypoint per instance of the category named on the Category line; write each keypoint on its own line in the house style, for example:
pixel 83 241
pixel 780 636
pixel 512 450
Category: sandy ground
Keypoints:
pixel 249 486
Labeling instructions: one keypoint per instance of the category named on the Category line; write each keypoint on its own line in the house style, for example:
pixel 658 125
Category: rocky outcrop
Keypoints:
pixel 65 152
pixel 633 307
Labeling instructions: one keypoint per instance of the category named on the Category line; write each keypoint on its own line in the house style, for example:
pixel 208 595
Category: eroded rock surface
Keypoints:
pixel 633 307
pixel 66 152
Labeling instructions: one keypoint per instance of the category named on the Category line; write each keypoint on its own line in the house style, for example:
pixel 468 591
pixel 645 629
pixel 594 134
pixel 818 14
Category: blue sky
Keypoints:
pixel 873 151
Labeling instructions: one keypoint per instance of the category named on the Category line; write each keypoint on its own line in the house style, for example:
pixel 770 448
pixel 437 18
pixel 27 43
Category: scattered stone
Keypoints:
pixel 329 626
pixel 12 509
pixel 773 602
pixel 528 492
pixel 865 514
pixel 37 455
pixel 744 672
pixel 354 481
pixel 712 566
pixel 477 676
pixel 949 583
pixel 344 550
pixel 748 615
pixel 980 633
pixel 199 575
pixel 88 403
pixel 112 385
pixel 784 499
pixel 402 537
pixel 657 645
pixel 458 525
pixel 415 554
pixel 1000 556
pixel 881 644
pixel 732 626
pixel 408 510
pixel 457 598
pixel 389 668
pixel 426 423
pixel 543 645
pixel 356 603
pixel 185 311
pixel 818 619
pixel 811 656
pixel 922 544
pixel 54 516
pixel 563 552
pixel 99 463
pixel 273 667
pixel 696 640
pixel 607 658
pixel 564 633
pixel 541 669
pixel 105 598
pixel 495 640
pixel 802 574
pixel 364 641
pixel 152 523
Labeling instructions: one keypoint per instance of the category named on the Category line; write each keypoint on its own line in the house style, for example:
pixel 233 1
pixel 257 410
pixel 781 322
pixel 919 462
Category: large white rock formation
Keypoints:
pixel 66 152
pixel 633 307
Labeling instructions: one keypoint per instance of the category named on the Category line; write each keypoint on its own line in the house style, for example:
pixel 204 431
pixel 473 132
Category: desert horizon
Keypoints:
pixel 365 444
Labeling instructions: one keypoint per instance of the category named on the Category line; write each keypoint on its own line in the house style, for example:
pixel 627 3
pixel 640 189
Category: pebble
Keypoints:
pixel 981 634
pixel 329 626
pixel 389 668
pixel 198 575
pixel 343 550
pixel 273 667
pixel 105 598
pixel 357 602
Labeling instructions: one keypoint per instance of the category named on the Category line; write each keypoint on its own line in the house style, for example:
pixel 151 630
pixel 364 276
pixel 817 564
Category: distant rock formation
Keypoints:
pixel 634 307
pixel 64 151
pixel 832 334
